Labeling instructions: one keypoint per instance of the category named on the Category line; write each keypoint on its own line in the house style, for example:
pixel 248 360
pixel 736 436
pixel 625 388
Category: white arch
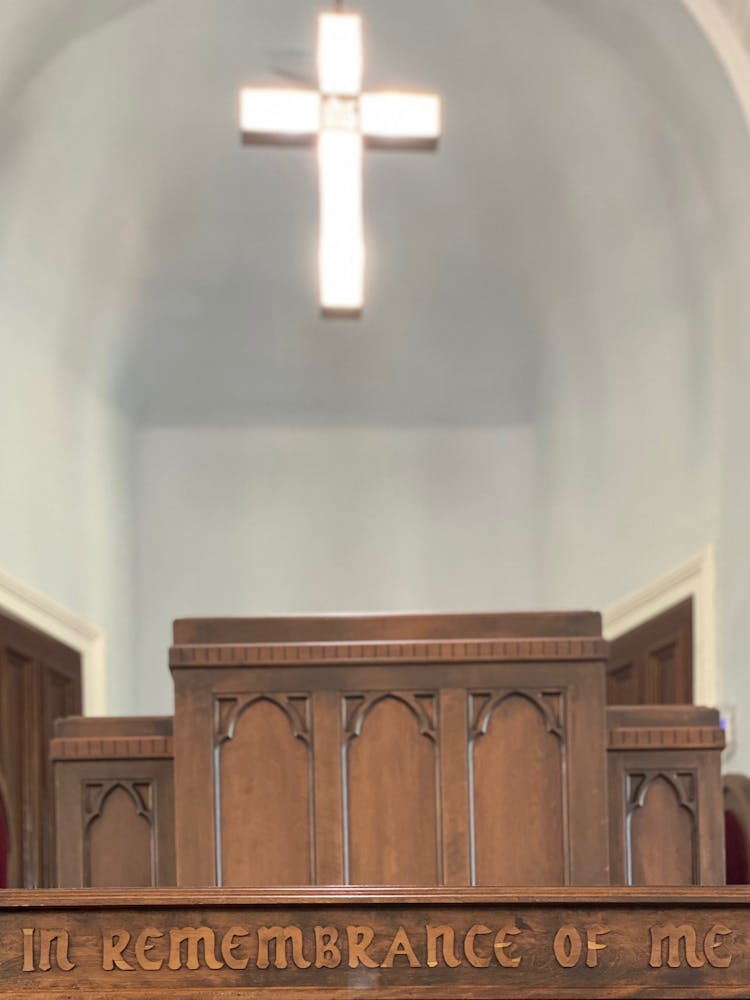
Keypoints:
pixel 724 35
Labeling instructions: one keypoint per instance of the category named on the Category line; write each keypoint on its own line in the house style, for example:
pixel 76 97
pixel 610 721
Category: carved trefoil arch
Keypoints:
pixel 357 708
pixel 142 794
pixel 229 709
pixel 548 706
pixel 683 783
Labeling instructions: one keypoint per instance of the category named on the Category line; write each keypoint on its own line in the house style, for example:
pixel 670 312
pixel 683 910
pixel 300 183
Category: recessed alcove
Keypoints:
pixel 544 404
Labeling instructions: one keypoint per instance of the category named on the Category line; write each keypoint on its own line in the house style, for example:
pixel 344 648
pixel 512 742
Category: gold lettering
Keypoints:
pixel 593 945
pixel 447 937
pixel 143 945
pixel 711 942
pixel 401 945
pixel 112 948
pixel 62 939
pixel 28 949
pixel 567 946
pixel 327 951
pixel 280 936
pixel 359 940
pixel 192 937
pixel 501 944
pixel 230 943
pixel 478 961
pixel 673 936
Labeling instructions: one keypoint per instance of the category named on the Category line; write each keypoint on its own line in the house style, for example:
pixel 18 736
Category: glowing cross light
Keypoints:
pixel 342 118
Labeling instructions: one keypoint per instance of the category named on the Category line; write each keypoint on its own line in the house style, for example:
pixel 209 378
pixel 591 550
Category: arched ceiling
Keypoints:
pixel 144 246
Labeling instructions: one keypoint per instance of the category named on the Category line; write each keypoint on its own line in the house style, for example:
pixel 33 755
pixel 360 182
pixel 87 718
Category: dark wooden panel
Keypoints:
pixel 665 795
pixel 114 727
pixel 664 724
pixel 391 780
pixel 454 786
pixel 265 792
pixel 115 802
pixel 328 789
pixel 4 842
pixel 653 663
pixel 491 944
pixel 40 679
pixel 623 682
pixel 119 835
pixel 517 790
pixel 390 777
pixel 13 760
pixel 386 628
pixel 662 834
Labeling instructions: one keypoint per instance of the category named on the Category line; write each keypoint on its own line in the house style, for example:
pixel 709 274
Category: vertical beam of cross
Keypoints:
pixel 341 118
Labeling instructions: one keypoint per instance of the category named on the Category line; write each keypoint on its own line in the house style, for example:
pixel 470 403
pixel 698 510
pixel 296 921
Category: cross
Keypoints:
pixel 342 118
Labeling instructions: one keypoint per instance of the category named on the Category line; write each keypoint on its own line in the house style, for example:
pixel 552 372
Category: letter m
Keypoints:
pixel 191 937
pixel 280 936
pixel 671 937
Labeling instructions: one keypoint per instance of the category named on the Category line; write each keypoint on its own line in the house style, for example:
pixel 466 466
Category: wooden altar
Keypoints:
pixel 391 750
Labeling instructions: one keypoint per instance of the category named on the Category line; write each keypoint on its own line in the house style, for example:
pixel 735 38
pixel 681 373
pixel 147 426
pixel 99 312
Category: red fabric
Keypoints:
pixel 3 848
pixel 736 848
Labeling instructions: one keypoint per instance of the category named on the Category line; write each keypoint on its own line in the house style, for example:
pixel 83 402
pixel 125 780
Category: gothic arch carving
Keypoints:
pixel 100 792
pixel 682 784
pixel 548 704
pixel 295 708
pixel 358 706
pixel 639 783
pixel 229 709
pixel 140 792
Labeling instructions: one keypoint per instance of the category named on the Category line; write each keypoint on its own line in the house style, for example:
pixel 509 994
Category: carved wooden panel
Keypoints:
pixel 666 822
pixel 389 775
pixel 391 779
pixel 264 790
pixel 517 794
pixel 622 683
pixel 115 801
pixel 119 833
pixel 661 829
pixel 40 680
pixel 653 663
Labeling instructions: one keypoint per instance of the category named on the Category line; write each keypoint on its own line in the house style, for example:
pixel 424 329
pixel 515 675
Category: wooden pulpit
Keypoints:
pixel 400 750
pixel 391 750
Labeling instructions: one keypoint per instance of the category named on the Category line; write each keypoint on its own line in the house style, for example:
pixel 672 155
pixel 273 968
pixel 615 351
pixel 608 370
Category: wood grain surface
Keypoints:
pixel 478 944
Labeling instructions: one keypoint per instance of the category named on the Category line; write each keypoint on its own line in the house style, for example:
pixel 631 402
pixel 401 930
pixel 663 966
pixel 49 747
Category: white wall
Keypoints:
pixel 66 499
pixel 242 522
pixel 590 281
pixel 734 498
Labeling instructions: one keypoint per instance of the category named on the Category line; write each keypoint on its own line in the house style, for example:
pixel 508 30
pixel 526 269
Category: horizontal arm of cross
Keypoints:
pixel 383 118
pixel 279 115
pixel 398 119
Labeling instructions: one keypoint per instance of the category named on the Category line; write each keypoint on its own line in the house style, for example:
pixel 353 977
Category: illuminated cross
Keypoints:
pixel 341 117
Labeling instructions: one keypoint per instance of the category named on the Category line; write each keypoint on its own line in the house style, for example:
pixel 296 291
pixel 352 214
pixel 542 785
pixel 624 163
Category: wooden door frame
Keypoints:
pixel 695 578
pixel 32 608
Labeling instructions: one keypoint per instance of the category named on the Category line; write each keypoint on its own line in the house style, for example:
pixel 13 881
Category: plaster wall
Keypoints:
pixel 65 501
pixel 285 520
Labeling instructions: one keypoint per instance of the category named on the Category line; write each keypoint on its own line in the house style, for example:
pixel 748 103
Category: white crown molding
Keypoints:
pixel 33 608
pixel 695 578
